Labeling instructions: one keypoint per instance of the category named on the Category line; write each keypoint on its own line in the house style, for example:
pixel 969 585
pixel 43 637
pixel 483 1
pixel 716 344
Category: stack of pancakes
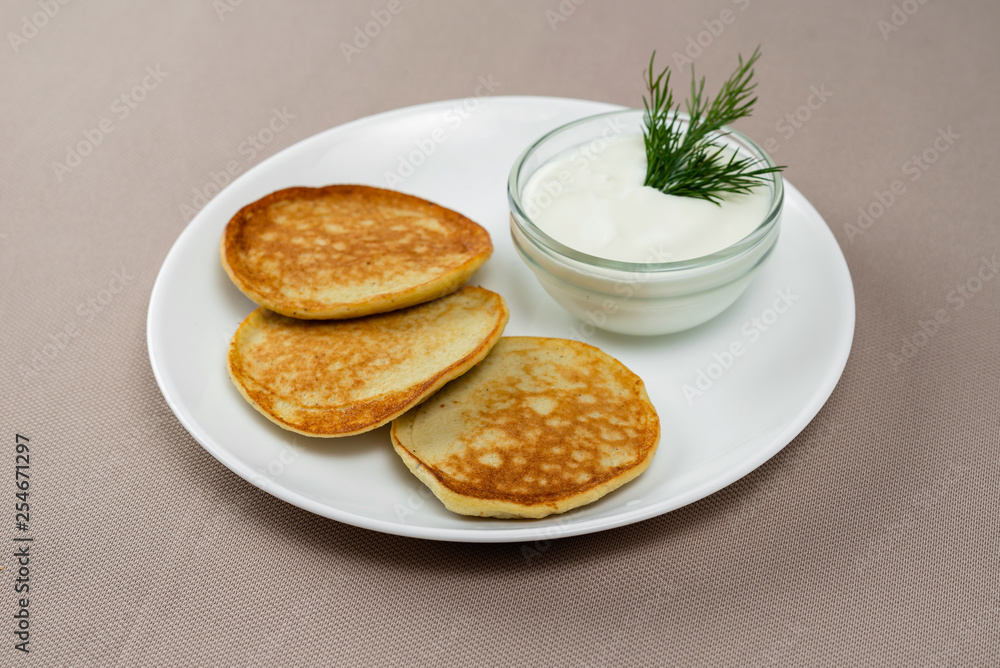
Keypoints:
pixel 363 316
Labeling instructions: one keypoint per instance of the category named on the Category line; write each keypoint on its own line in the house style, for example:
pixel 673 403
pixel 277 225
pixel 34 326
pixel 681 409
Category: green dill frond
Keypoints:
pixel 682 159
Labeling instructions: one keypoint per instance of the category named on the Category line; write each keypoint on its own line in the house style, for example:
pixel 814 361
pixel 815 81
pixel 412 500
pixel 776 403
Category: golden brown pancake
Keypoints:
pixel 540 426
pixel 344 251
pixel 344 377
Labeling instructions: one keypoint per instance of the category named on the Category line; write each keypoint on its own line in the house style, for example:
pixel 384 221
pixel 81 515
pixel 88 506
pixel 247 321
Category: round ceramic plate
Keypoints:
pixel 730 393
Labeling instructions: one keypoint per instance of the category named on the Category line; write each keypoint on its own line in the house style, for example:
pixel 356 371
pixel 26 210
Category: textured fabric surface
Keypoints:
pixel 872 539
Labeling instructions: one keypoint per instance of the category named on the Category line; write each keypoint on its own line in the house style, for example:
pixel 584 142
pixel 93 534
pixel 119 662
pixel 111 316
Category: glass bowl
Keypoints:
pixel 642 298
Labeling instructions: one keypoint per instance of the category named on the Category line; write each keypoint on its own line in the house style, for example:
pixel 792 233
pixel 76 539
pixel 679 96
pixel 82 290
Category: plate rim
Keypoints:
pixel 516 533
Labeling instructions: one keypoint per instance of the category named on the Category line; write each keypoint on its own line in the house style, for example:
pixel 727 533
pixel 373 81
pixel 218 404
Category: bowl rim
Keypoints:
pixel 557 249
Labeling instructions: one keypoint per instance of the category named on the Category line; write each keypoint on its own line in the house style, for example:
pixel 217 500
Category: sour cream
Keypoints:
pixel 594 201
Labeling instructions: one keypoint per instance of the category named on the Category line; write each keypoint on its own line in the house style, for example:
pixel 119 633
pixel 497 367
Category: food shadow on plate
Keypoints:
pixel 235 302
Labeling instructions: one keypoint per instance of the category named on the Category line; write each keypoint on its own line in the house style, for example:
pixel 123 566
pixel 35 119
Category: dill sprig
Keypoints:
pixel 685 161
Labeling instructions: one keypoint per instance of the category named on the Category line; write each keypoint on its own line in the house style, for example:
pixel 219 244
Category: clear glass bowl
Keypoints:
pixel 633 297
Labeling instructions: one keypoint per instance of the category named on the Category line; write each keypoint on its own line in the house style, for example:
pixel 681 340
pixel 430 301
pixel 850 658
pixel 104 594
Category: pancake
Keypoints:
pixel 345 251
pixel 540 426
pixel 344 377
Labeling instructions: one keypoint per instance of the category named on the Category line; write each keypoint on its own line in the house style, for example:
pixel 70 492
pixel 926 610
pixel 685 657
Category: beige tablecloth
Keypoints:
pixel 872 539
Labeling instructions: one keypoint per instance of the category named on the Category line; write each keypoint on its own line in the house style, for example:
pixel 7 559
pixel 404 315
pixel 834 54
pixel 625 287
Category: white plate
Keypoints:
pixel 749 408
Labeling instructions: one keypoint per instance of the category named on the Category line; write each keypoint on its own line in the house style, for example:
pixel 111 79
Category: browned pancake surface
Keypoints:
pixel 343 377
pixel 345 250
pixel 540 426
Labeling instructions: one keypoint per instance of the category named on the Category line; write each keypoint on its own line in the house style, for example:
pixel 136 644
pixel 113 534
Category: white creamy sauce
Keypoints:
pixel 595 202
